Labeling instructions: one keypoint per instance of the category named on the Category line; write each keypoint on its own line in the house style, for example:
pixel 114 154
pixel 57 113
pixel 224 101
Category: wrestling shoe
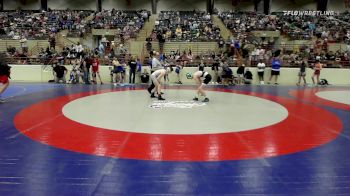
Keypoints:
pixel 195 99
pixel 206 100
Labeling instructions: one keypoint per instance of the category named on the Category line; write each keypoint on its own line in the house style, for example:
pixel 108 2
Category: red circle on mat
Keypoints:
pixel 305 127
pixel 310 96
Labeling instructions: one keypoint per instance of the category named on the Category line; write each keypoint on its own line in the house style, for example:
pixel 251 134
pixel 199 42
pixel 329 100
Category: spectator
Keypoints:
pixel 227 74
pixel 101 49
pixel 60 72
pixel 87 63
pixel 52 41
pixel 261 70
pixel 248 77
pixel 132 70
pixel 145 76
pixel 302 72
pixel 149 45
pixel 240 74
pixel 24 45
pixel 275 69
pixel 95 70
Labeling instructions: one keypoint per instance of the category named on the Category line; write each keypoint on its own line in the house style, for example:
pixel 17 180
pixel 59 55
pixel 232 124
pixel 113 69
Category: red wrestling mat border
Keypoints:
pixel 310 96
pixel 44 122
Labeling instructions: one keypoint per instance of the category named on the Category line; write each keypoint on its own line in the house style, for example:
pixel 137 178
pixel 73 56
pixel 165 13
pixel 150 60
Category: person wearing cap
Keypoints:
pixel 201 78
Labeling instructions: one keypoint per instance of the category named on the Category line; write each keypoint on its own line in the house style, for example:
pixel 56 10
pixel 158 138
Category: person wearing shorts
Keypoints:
pixel 201 78
pixel 302 72
pixel 95 70
pixel 117 70
pixel 156 78
pixel 275 69
pixel 317 72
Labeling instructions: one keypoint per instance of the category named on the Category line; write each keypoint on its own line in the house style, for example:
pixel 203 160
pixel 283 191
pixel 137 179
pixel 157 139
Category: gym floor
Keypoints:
pixel 107 140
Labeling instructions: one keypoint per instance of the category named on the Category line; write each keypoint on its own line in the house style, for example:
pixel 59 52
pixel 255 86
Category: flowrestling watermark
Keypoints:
pixel 309 13
pixel 176 104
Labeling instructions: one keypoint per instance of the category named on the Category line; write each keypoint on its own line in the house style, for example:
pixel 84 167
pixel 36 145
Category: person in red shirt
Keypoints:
pixel 95 70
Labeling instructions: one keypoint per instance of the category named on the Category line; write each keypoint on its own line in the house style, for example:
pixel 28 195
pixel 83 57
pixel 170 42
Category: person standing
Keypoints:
pixel 302 72
pixel 24 45
pixel 132 71
pixel 240 74
pixel 275 69
pixel 86 67
pixel 201 78
pixel 156 65
pixel 215 68
pixel 317 72
pixel 52 42
pixel 139 68
pixel 95 70
pixel 261 70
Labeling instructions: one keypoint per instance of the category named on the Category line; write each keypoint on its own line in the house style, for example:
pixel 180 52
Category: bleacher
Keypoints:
pixel 191 26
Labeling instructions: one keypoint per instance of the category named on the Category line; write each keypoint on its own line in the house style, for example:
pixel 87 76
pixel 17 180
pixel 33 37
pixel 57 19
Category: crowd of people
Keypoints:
pixel 185 26
pixel 128 23
pixel 330 28
pixel 40 24
pixel 239 50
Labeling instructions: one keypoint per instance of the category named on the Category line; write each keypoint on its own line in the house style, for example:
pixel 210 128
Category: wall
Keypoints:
pixel 122 4
pixel 72 4
pixel 278 5
pixel 225 5
pixel 337 5
pixel 181 5
pixel 24 5
pixel 35 73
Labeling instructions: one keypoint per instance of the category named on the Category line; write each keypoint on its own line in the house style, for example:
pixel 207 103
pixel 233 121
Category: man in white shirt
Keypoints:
pixel 156 65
